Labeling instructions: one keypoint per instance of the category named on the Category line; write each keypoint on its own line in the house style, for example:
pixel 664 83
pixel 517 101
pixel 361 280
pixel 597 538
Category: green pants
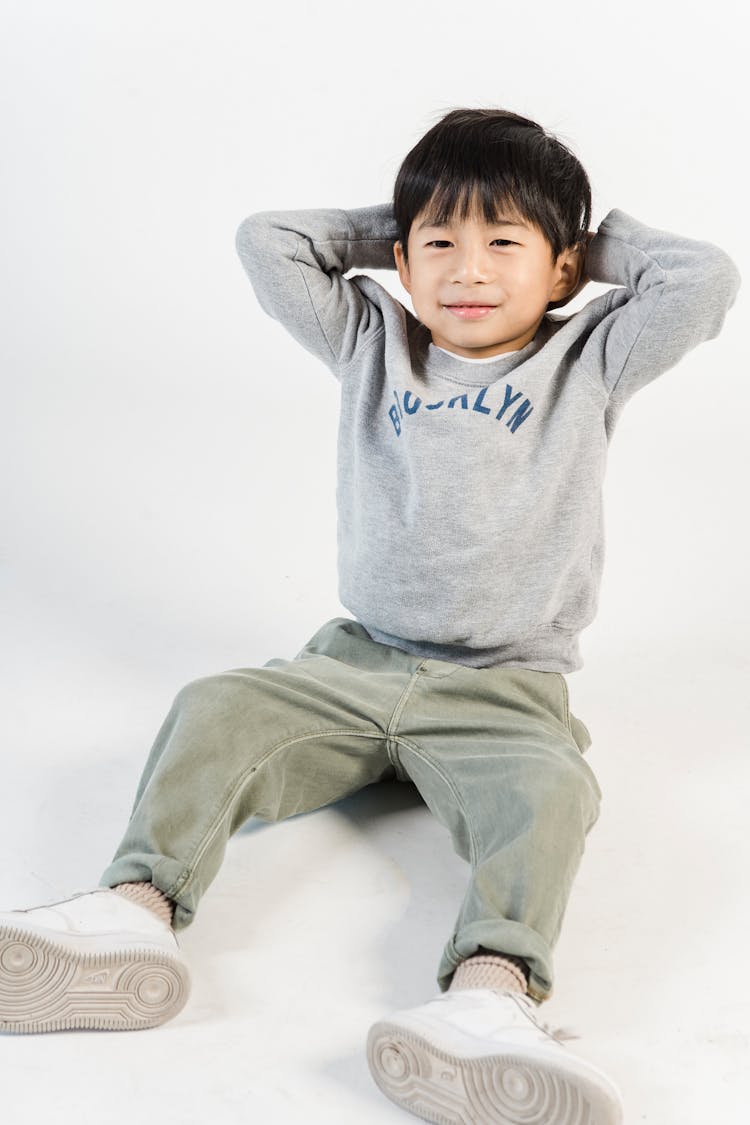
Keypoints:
pixel 494 752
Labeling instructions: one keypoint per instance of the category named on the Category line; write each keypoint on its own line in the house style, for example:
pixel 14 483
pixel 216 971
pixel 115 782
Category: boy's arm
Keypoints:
pixel 296 261
pixel 676 293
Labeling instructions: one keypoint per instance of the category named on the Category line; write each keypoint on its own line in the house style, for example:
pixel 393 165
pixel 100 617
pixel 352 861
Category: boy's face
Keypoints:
pixel 483 289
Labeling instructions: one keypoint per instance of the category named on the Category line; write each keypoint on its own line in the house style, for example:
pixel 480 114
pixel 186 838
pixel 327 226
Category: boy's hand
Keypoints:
pixel 583 277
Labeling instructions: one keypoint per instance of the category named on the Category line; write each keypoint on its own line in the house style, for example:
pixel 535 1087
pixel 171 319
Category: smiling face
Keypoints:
pixel 483 288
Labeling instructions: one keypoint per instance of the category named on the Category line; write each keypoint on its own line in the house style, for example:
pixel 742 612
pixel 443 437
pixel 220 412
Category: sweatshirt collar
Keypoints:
pixel 441 363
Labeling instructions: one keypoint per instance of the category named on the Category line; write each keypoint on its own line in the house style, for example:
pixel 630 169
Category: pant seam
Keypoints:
pixel 423 757
pixel 227 801
pixel 390 732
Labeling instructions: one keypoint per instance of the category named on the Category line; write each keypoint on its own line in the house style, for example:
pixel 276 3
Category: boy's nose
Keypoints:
pixel 473 264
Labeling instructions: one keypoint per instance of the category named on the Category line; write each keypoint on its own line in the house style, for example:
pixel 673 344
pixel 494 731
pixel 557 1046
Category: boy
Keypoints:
pixel 471 451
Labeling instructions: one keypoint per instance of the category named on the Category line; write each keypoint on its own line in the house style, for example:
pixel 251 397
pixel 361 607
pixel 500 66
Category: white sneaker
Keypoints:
pixel 478 1056
pixel 97 960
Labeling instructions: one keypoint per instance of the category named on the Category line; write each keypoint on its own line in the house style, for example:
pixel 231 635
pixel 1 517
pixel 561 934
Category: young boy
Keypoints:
pixel 471 454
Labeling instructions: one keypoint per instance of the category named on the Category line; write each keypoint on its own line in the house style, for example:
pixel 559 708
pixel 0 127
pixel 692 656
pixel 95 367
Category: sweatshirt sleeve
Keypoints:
pixel 675 294
pixel 296 262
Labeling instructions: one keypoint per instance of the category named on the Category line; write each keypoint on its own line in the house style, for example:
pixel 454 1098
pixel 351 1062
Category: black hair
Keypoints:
pixel 501 161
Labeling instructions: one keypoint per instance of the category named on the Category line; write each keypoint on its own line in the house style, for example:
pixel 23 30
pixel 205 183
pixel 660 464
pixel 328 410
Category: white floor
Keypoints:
pixel 317 926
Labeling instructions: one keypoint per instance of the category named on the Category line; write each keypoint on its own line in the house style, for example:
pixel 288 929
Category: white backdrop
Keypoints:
pixel 168 453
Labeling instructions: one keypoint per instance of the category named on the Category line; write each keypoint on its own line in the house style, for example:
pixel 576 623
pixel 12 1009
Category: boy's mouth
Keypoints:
pixel 470 312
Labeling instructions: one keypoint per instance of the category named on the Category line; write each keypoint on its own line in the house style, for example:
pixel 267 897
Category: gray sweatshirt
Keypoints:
pixel 469 493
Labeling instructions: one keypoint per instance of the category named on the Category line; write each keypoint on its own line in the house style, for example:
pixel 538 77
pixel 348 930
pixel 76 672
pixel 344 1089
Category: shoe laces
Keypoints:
pixel 529 1008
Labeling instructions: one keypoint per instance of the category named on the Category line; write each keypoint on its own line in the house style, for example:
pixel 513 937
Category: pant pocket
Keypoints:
pixel 578 729
pixel 580 733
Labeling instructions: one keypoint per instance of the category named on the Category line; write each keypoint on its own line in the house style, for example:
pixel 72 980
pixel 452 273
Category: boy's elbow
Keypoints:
pixel 724 277
pixel 733 279
pixel 246 235
pixel 262 237
pixel 719 283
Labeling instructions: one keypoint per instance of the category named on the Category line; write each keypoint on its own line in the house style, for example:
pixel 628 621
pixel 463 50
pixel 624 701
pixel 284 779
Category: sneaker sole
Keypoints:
pixel 507 1089
pixel 46 985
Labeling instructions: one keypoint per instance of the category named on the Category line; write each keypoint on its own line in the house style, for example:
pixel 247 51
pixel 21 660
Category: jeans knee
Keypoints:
pixel 207 691
pixel 577 780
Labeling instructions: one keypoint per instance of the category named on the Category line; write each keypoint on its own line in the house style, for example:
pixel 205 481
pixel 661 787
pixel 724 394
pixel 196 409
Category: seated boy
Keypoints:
pixel 471 452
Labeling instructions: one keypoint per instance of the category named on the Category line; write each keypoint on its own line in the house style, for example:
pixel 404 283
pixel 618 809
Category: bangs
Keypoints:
pixel 455 199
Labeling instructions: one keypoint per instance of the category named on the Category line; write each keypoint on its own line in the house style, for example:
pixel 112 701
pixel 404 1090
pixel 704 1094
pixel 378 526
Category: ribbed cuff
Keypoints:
pixel 490 971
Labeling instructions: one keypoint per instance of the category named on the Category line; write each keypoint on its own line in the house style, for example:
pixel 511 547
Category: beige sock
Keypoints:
pixel 146 894
pixel 491 970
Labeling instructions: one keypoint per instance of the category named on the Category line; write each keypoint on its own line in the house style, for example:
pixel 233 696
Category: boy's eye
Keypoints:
pixel 445 242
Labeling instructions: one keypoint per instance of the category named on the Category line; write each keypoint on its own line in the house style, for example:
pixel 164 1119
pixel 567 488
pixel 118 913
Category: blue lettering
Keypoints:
pixel 508 400
pixel 478 402
pixel 520 415
pixel 410 403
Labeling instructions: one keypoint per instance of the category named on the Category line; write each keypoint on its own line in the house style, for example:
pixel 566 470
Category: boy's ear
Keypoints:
pixel 402 266
pixel 570 280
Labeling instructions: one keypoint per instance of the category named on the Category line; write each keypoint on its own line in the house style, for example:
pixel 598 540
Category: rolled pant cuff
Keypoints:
pixel 164 873
pixel 505 937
